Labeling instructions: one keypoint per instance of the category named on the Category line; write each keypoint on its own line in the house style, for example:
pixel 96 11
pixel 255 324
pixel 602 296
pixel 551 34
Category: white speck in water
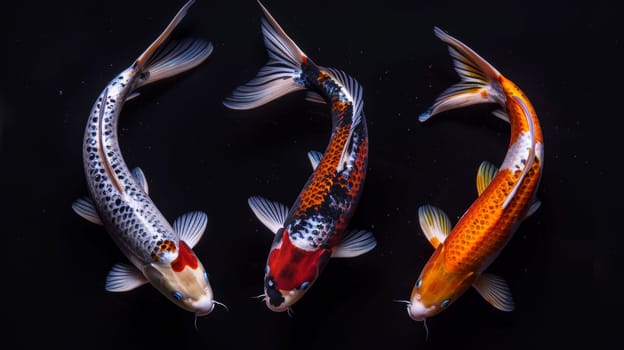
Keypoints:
pixel 60 92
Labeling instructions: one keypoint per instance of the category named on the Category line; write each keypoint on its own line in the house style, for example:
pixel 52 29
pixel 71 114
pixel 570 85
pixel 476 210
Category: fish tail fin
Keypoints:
pixel 280 76
pixel 479 80
pixel 159 62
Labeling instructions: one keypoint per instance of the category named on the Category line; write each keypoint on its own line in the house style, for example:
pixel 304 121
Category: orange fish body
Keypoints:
pixel 506 195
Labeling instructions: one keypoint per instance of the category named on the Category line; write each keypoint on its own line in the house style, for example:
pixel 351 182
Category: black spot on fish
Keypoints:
pixel 275 297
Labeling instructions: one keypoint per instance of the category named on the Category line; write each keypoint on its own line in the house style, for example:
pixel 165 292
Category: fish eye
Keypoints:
pixel 419 283
pixel 445 303
pixel 177 295
pixel 267 269
pixel 304 285
pixel 206 276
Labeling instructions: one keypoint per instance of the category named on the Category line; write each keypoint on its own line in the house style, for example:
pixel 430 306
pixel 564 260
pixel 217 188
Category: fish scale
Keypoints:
pixel 314 228
pixel 506 196
pixel 161 253
pixel 102 155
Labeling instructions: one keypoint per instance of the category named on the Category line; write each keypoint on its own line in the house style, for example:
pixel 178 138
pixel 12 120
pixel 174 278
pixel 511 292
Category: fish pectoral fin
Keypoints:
pixel 85 208
pixel 355 243
pixel 315 158
pixel 272 214
pixel 176 58
pixel 140 177
pixel 533 208
pixel 434 223
pixel 313 96
pixel 485 174
pixel 191 226
pixel 123 277
pixel 495 291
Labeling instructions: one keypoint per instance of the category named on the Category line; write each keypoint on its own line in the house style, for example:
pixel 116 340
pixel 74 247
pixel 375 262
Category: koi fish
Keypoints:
pixel 160 253
pixel 315 227
pixel 506 196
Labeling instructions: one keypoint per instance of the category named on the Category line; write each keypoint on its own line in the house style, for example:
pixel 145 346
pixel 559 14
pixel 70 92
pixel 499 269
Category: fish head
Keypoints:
pixel 437 288
pixel 290 271
pixel 184 281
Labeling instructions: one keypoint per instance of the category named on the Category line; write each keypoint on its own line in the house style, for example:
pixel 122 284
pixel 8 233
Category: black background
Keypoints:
pixel 198 155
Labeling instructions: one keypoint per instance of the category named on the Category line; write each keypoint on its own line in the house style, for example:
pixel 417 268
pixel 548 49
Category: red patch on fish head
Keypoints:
pixel 185 258
pixel 290 266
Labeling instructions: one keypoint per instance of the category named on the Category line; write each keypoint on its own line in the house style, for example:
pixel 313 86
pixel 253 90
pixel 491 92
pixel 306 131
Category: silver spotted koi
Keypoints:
pixel 160 253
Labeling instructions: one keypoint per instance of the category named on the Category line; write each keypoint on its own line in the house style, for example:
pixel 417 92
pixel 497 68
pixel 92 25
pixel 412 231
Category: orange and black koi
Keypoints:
pixel 315 227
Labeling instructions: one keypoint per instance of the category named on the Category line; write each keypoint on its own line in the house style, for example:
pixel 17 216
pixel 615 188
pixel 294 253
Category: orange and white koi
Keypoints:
pixel 161 253
pixel 314 229
pixel 506 196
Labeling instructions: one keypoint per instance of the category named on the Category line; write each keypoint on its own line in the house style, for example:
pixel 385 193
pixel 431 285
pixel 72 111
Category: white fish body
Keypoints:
pixel 160 253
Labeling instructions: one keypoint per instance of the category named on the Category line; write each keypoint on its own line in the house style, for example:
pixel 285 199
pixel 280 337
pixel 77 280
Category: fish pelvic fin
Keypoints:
pixel 280 76
pixel 479 80
pixel 161 61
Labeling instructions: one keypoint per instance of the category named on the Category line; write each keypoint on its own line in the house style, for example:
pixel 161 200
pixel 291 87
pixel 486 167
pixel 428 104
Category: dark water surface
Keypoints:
pixel 199 155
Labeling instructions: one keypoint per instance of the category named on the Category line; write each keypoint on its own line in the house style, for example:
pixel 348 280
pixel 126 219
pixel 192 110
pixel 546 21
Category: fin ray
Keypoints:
pixel 315 158
pixel 123 277
pixel 281 74
pixel 86 209
pixel 138 175
pixel 478 79
pixel 176 58
pixel 530 158
pixel 434 223
pixel 271 213
pixel 355 243
pixel 495 291
pixel 485 175
pixel 191 227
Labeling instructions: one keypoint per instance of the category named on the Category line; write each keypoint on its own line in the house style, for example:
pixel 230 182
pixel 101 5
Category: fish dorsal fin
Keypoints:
pixel 355 243
pixel 354 91
pixel 315 158
pixel 272 214
pixel 85 208
pixel 139 176
pixel 190 227
pixel 434 223
pixel 123 277
pixel 485 174
pixel 533 208
pixel 495 291
pixel 530 157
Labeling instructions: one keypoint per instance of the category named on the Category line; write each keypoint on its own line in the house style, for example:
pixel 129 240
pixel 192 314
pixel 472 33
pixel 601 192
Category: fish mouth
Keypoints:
pixel 204 307
pixel 280 308
pixel 417 311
